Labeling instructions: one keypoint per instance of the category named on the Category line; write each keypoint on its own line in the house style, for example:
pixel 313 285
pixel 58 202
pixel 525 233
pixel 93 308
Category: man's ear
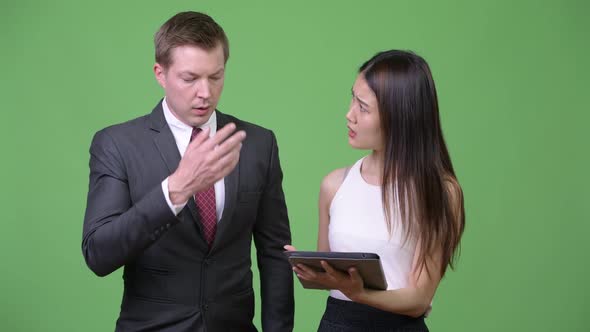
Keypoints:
pixel 159 72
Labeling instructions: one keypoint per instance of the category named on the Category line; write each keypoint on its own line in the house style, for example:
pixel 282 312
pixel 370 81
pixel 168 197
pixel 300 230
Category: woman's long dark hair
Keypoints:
pixel 417 171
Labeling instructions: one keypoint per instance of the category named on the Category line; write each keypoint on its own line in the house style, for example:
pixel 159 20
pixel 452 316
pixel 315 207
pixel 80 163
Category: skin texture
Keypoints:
pixel 193 83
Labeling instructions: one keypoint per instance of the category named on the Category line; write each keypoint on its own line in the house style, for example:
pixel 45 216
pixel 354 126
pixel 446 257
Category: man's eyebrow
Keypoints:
pixel 188 72
pixel 221 70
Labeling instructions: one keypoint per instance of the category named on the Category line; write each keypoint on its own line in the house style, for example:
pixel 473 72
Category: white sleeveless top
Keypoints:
pixel 357 224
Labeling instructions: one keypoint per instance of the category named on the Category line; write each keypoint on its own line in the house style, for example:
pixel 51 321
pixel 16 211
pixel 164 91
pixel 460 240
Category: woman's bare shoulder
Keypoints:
pixel 331 183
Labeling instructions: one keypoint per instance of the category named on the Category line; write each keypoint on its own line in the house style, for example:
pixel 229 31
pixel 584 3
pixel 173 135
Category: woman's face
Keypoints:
pixel 364 126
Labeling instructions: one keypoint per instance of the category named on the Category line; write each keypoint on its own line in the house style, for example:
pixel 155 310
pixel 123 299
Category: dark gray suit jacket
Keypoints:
pixel 172 281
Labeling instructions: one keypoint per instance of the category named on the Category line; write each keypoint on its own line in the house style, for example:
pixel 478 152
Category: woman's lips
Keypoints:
pixel 351 133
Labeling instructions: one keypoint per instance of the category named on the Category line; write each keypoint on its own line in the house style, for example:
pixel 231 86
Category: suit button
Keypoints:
pixel 205 307
pixel 168 225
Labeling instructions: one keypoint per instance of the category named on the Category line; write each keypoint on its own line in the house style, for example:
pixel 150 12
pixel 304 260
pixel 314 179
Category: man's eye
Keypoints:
pixel 188 80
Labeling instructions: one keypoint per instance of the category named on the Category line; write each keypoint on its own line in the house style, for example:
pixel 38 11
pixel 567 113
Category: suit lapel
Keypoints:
pixel 165 143
pixel 231 192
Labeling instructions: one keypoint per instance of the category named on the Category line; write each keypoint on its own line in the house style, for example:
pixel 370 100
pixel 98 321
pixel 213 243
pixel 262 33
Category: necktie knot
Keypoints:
pixel 195 132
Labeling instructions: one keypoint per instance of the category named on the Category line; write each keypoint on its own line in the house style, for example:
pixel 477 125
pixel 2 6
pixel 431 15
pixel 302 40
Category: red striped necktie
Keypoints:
pixel 205 201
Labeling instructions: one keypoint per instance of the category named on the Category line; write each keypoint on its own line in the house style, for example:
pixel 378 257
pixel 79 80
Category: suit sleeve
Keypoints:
pixel 115 230
pixel 271 233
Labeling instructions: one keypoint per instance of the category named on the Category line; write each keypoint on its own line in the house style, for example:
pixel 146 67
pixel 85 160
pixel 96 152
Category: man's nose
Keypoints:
pixel 203 89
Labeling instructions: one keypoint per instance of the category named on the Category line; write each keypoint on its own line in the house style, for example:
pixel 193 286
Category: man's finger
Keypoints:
pixel 200 138
pixel 228 162
pixel 235 141
pixel 221 135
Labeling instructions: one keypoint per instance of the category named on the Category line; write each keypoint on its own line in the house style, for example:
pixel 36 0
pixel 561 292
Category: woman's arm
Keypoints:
pixel 328 189
pixel 413 300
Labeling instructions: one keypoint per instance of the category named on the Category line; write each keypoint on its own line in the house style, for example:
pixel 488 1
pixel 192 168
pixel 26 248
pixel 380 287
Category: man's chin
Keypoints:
pixel 197 119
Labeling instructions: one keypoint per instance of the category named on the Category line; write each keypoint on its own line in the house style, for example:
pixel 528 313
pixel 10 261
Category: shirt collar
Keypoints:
pixel 173 121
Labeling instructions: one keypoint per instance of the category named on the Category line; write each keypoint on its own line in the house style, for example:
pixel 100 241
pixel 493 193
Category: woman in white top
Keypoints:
pixel 402 201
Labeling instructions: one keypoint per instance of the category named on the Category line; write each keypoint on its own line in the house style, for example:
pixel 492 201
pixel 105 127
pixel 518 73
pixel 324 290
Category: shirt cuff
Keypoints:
pixel 176 208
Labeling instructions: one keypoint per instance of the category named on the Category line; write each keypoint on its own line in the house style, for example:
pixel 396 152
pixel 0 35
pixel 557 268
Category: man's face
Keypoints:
pixel 193 82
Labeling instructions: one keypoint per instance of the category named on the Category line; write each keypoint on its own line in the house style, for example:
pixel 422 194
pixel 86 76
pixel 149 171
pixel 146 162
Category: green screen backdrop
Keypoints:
pixel 512 78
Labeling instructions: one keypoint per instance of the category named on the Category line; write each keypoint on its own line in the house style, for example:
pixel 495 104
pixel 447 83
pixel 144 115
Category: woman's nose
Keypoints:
pixel 350 114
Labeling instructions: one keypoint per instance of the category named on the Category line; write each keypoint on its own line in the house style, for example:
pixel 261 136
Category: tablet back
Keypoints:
pixel 368 265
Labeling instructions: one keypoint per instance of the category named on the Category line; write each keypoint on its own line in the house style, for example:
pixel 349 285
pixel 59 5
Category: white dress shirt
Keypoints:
pixel 182 135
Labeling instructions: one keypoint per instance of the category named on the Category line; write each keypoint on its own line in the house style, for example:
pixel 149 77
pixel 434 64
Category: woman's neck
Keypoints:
pixel 372 168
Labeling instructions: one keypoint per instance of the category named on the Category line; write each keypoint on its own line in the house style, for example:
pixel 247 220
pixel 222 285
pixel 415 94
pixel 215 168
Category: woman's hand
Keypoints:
pixel 350 284
pixel 289 247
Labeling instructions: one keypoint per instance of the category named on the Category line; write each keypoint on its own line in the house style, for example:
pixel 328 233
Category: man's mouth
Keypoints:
pixel 201 110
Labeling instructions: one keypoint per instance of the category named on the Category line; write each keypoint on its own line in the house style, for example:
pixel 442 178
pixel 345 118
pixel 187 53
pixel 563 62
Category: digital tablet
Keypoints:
pixel 367 264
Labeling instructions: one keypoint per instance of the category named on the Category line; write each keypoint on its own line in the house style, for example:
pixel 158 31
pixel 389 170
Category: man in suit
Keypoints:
pixel 176 197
